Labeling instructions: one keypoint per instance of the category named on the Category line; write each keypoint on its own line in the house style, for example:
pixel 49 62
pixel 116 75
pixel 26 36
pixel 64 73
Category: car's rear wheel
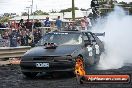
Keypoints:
pixel 79 69
pixel 97 59
pixel 30 74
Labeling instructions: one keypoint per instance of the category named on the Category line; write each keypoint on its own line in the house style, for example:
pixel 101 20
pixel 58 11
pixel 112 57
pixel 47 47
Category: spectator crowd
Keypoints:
pixel 26 33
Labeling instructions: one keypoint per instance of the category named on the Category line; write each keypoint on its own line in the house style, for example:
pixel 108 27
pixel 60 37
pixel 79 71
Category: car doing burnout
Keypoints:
pixel 61 51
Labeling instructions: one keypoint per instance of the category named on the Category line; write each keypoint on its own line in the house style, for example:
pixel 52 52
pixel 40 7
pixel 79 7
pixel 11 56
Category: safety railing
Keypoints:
pixel 11 52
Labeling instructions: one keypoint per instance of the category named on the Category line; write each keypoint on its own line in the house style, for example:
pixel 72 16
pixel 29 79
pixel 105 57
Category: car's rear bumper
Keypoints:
pixel 30 66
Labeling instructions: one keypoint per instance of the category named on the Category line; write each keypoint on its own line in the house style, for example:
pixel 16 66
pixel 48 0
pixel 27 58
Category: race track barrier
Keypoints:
pixel 10 52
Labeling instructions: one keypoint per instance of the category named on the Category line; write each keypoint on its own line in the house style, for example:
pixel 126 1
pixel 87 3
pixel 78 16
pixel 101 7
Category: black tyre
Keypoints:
pixel 97 59
pixel 30 74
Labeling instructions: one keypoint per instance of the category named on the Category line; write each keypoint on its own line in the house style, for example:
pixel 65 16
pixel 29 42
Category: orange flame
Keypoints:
pixel 79 67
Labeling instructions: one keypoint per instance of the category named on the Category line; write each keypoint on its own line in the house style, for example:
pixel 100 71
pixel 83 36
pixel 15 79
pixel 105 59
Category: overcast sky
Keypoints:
pixel 19 6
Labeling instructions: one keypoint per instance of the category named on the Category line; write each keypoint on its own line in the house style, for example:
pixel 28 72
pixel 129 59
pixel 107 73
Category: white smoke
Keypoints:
pixel 118 39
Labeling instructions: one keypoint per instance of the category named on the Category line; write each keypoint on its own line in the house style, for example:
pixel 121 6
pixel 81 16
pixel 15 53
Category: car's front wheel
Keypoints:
pixel 30 74
pixel 79 69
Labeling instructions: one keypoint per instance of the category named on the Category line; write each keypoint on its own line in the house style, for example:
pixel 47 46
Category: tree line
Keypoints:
pixel 102 3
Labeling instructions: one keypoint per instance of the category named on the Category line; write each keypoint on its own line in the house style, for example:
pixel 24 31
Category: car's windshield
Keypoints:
pixel 61 38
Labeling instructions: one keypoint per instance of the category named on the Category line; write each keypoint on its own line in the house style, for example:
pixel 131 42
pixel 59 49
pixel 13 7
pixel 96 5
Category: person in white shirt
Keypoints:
pixel 88 22
pixel 83 24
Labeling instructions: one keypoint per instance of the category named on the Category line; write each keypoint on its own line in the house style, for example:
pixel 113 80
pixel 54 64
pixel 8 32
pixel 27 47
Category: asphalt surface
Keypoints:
pixel 11 77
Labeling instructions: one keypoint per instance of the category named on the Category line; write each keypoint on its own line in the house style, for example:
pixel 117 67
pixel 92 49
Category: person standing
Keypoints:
pixel 37 36
pixel 37 24
pixel 83 24
pixel 2 25
pixel 5 35
pixel 28 25
pixel 47 23
pixel 21 24
pixel 24 39
pixel 58 23
pixel 13 38
pixel 95 7
pixel 88 22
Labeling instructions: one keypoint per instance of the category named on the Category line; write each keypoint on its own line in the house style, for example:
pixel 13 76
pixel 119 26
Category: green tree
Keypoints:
pixel 123 4
pixel 4 19
pixel 53 11
pixel 83 9
pixel 102 2
pixel 69 9
pixel 24 14
pixel 40 12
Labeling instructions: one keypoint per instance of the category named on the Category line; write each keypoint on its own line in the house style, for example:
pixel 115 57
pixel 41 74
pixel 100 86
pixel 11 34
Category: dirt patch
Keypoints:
pixel 11 77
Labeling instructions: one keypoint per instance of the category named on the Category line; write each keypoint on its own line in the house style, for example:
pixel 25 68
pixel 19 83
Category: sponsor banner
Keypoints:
pixel 107 78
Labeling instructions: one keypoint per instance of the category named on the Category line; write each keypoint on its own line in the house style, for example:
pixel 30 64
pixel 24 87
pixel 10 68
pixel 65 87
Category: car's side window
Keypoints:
pixel 85 37
pixel 91 37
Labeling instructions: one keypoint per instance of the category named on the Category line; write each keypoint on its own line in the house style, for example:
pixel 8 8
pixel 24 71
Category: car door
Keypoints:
pixel 100 43
pixel 98 46
pixel 89 48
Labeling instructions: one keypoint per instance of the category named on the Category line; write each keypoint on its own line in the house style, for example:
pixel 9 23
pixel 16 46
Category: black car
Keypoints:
pixel 63 51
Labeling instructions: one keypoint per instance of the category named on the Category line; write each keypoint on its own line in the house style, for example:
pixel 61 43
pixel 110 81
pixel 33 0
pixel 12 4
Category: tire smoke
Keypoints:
pixel 118 39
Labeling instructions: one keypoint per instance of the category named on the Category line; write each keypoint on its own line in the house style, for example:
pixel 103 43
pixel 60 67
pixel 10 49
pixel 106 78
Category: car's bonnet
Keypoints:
pixel 59 51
